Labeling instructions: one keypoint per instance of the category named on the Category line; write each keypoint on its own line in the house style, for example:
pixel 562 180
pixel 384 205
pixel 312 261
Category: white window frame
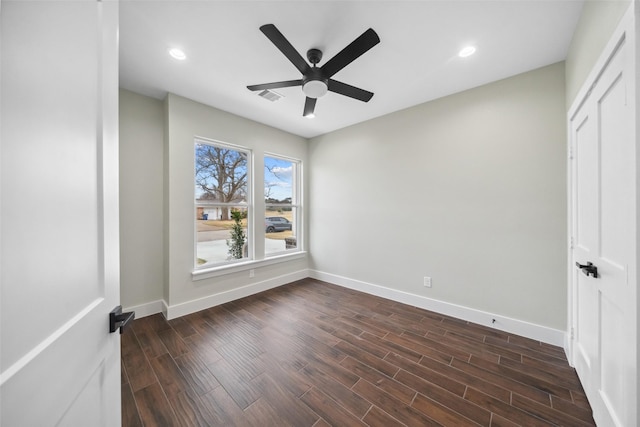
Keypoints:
pixel 296 202
pixel 249 206
pixel 255 260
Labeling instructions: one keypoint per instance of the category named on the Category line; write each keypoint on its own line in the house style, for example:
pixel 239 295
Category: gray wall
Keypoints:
pixel 186 119
pixel 595 27
pixel 141 218
pixel 156 195
pixel 469 189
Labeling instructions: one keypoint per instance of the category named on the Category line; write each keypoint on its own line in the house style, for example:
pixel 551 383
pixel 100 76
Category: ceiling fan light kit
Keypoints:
pixel 315 88
pixel 316 81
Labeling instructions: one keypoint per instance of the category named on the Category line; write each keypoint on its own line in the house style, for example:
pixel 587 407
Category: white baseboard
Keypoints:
pixel 147 309
pixel 182 309
pixel 507 324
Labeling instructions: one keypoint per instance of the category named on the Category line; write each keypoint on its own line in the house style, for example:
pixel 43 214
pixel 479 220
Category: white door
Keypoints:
pixel 59 214
pixel 604 232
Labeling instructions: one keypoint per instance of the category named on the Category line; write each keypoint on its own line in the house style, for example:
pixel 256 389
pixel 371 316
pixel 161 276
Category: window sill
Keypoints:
pixel 243 266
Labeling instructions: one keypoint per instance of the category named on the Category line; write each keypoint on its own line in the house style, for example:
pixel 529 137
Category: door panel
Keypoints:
pixel 612 372
pixel 59 213
pixel 616 191
pixel 615 174
pixel 90 405
pixel 585 197
pixel 585 208
pixel 50 210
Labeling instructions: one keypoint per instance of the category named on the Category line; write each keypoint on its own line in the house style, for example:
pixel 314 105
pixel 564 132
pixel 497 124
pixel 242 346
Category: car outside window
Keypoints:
pixel 282 204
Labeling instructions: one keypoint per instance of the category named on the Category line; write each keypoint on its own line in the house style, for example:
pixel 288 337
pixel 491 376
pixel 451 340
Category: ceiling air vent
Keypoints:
pixel 270 95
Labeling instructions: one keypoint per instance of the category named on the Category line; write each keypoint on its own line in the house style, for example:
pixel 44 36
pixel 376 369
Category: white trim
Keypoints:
pixel 503 323
pixel 165 309
pixel 245 265
pixel 519 327
pixel 147 309
pixel 182 309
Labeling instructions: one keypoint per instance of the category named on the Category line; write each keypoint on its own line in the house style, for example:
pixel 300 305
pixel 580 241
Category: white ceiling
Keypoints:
pixel 416 60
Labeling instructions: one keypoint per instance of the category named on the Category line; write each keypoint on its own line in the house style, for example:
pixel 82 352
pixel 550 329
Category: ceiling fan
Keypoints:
pixel 316 81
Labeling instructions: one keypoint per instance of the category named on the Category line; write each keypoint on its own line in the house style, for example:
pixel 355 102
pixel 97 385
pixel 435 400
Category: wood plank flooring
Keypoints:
pixel 314 354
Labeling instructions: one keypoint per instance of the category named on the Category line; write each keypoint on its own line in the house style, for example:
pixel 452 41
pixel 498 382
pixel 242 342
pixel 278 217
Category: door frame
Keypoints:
pixel 626 32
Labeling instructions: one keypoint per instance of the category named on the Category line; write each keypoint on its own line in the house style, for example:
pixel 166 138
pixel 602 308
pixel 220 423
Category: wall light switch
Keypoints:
pixel 252 273
pixel 427 281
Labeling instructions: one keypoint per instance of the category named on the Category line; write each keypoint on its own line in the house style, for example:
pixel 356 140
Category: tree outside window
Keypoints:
pixel 222 198
pixel 222 182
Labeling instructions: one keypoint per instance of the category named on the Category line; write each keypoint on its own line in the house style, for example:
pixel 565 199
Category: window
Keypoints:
pixel 224 208
pixel 222 203
pixel 282 204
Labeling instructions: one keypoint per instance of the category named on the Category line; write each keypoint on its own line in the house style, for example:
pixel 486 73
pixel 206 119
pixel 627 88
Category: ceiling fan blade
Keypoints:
pixel 350 91
pixel 366 41
pixel 285 47
pixel 309 106
pixel 276 85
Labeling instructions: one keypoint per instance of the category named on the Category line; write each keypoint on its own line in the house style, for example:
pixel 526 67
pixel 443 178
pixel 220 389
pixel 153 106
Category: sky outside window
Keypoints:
pixel 278 180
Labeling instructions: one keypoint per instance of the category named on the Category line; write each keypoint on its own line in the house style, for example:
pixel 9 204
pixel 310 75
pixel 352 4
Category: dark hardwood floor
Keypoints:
pixel 314 354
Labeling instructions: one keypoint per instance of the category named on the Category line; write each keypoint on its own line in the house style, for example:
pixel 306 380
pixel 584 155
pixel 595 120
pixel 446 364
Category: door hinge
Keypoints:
pixel 571 243
pixel 572 333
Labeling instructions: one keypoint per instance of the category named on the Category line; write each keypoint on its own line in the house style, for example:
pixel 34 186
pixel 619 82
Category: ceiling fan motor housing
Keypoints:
pixel 314 56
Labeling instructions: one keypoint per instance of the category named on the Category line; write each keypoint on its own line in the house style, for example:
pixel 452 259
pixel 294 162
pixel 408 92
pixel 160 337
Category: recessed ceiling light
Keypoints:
pixel 177 54
pixel 467 51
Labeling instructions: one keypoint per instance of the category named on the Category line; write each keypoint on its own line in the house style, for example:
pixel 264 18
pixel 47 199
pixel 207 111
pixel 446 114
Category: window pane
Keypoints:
pixel 279 178
pixel 281 205
pixel 221 175
pixel 221 240
pixel 222 203
pixel 280 229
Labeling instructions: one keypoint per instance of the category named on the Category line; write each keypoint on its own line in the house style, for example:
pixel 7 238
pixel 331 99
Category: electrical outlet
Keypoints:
pixel 427 281
pixel 252 273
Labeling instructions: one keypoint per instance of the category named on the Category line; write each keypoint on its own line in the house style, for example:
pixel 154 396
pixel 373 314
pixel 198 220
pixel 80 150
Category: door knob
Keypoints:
pixel 118 319
pixel 589 269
